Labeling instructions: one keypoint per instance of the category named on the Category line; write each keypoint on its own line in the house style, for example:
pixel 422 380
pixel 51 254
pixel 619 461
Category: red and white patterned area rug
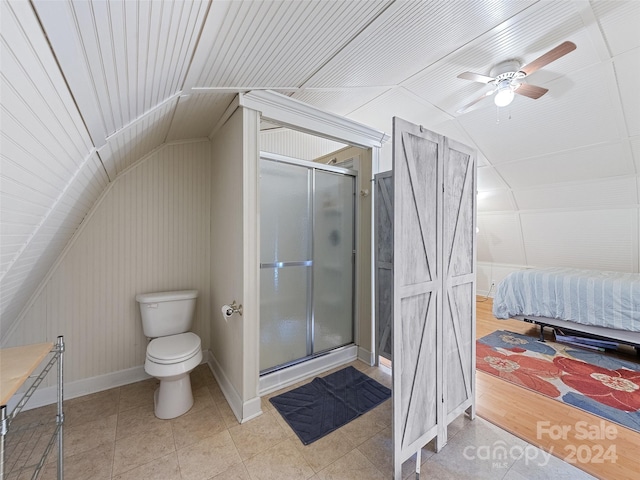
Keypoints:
pixel 601 384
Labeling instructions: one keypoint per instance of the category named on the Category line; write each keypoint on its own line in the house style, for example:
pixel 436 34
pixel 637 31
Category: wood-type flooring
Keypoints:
pixel 610 451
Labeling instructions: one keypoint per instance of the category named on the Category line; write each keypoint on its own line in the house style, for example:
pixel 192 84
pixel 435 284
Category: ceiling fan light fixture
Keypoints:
pixel 504 96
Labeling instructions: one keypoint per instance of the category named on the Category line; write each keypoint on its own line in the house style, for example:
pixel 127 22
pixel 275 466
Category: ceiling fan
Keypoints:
pixel 506 77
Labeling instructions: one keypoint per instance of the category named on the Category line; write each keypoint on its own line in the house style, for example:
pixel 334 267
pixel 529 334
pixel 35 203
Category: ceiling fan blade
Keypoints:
pixel 530 91
pixel 552 55
pixel 471 104
pixel 475 77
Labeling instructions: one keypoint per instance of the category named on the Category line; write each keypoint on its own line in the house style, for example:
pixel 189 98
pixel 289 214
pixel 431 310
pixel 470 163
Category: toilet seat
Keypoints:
pixel 173 348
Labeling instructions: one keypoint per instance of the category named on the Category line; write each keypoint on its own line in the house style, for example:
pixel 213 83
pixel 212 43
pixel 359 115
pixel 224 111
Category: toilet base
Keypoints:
pixel 173 397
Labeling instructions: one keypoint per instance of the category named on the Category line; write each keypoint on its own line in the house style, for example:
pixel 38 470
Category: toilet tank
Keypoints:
pixel 167 313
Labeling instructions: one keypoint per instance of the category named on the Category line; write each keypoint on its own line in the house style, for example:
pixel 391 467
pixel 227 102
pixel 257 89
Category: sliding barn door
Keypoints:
pixel 459 279
pixel 384 263
pixel 417 287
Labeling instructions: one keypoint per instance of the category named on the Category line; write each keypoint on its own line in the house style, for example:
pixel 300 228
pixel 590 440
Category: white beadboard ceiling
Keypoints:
pixel 121 58
pixel 89 87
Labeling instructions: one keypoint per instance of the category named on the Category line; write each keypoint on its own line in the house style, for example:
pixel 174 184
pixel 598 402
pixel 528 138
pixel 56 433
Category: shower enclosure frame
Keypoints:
pixel 311 301
pixel 234 227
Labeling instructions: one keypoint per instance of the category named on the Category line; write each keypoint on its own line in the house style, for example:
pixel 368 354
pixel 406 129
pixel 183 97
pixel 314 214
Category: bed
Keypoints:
pixel 597 303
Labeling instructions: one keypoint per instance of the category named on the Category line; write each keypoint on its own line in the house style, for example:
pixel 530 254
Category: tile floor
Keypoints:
pixel 114 435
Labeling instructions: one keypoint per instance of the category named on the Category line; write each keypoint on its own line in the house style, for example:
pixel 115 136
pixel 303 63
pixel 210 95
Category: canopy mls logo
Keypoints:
pixel 501 456
pixel 589 452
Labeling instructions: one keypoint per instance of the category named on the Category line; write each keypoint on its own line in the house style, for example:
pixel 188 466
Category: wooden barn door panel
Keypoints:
pixel 459 279
pixel 417 287
pixel 418 399
pixel 434 257
pixel 384 263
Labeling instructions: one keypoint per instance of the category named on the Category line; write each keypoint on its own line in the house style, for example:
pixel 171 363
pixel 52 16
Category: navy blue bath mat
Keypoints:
pixel 327 403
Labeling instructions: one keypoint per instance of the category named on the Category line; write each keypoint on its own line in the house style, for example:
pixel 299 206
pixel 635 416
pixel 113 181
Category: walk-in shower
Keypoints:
pixel 307 260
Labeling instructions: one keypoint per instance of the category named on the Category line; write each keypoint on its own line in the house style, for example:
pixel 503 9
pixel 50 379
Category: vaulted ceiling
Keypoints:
pixel 90 87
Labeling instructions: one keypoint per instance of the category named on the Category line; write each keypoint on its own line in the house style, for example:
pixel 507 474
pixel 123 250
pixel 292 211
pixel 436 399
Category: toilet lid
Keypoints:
pixel 173 348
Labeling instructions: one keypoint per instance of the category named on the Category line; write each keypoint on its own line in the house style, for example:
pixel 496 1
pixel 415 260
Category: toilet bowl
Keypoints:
pixel 171 359
pixel 173 351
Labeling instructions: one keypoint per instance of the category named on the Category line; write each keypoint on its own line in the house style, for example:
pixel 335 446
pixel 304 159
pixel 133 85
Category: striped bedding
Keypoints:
pixel 589 297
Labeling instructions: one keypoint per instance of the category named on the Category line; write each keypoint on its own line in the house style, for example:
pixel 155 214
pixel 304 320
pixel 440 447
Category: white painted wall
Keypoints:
pixel 600 239
pixel 226 258
pixel 148 232
pixel 292 143
pixel 234 261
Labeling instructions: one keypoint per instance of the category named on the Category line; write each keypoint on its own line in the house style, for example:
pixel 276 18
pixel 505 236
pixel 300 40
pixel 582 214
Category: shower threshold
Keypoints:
pixel 288 375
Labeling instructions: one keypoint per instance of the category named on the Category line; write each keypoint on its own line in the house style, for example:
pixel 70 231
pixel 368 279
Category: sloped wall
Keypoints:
pixel 590 223
pixel 595 238
pixel 148 232
pixel 51 174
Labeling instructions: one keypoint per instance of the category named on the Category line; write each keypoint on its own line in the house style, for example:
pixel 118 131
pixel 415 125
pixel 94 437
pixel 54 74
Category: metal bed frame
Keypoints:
pixel 624 337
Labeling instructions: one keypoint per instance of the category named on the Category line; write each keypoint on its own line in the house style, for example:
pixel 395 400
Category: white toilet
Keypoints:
pixel 173 351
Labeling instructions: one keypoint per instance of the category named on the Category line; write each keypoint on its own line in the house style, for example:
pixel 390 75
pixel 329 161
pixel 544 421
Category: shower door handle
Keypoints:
pixel 304 263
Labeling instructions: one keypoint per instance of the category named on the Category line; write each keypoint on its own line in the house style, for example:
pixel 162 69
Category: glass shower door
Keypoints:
pixel 334 258
pixel 285 263
pixel 306 262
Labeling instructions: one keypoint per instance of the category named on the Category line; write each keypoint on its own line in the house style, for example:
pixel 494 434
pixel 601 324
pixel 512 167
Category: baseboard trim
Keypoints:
pixel 290 375
pixel 243 411
pixel 251 409
pixel 366 356
pixel 86 386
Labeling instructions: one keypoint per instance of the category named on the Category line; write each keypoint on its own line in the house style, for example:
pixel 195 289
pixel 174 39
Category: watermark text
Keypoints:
pixel 582 440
